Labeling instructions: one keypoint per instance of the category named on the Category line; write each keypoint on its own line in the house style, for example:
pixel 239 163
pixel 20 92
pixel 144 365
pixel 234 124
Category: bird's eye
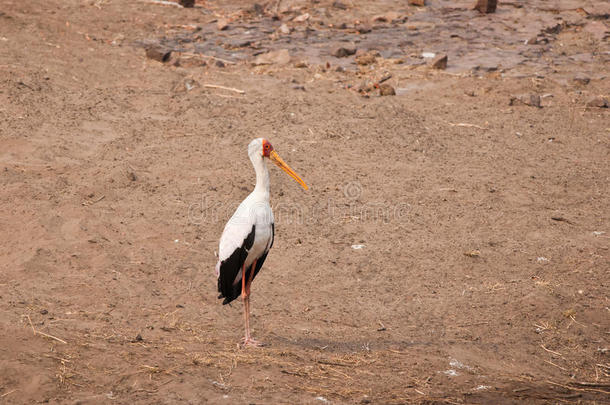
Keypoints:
pixel 266 146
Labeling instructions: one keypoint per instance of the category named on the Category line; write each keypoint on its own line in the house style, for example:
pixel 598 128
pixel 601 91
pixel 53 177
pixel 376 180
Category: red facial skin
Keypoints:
pixel 267 148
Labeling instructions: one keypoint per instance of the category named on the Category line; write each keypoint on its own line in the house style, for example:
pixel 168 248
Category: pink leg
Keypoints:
pixel 245 291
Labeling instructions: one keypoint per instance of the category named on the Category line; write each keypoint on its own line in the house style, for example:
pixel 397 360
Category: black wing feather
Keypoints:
pixel 230 267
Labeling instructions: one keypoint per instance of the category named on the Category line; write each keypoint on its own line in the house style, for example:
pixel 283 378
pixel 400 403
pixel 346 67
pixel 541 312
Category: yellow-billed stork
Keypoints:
pixel 248 235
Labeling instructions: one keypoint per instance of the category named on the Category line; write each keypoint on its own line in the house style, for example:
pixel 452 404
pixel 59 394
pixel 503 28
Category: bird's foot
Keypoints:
pixel 248 341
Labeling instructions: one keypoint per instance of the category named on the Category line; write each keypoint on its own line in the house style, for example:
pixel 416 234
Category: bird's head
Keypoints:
pixel 260 147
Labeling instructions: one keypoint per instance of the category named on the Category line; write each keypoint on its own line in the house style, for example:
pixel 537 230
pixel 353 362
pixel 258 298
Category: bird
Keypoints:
pixel 249 233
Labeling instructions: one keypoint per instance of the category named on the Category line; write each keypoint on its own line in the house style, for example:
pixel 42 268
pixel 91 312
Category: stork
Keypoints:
pixel 248 235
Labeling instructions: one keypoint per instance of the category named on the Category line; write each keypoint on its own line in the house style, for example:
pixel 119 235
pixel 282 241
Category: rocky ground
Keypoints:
pixel 452 248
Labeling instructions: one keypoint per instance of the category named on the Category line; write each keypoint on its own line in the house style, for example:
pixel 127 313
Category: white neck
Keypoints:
pixel 262 174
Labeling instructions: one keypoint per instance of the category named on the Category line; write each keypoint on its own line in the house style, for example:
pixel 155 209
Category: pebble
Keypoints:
pixel 279 57
pixel 440 62
pixel 364 29
pixel 284 29
pixel 367 58
pixel 158 53
pixel 339 5
pixel 486 6
pixel 533 100
pixel 187 3
pixel 222 24
pixel 302 18
pixel 386 90
pixel 419 3
pixel 343 52
pixel 581 79
pixel 598 102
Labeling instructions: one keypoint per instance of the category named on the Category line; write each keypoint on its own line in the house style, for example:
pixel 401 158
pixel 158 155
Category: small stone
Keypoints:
pixel 581 79
pixel 532 41
pixel 302 18
pixel 553 29
pixel 279 57
pixel 470 93
pixel 43 312
pixel 339 5
pixel 298 87
pixel 158 53
pixel 187 3
pixel 284 29
pixel 367 58
pixel 386 90
pixel 598 102
pixel 486 6
pixel 343 52
pixel 533 100
pixel 222 24
pixel 132 176
pixel 189 61
pixel 440 62
pixel 138 338
pixel 220 64
pixel 300 65
pixel 418 3
pixel 380 18
pixel 363 29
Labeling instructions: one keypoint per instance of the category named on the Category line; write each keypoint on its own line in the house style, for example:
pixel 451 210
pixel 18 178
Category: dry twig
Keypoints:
pixel 37 332
pixel 215 86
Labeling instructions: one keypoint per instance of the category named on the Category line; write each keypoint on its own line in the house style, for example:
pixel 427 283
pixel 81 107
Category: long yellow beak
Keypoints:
pixel 275 158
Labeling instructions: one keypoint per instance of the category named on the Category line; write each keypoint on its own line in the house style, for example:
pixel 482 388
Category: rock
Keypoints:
pixel 363 29
pixel 419 3
pixel 440 62
pixel 158 53
pixel 132 176
pixel 581 79
pixel 385 77
pixel 532 41
pixel 220 64
pixel 302 18
pixel 284 29
pixel 189 61
pixel 298 87
pixel 279 57
pixel 300 64
pixel 389 17
pixel 367 58
pixel 532 100
pixel 258 9
pixel 553 29
pixel 598 102
pixel 339 5
pixel 187 3
pixel 343 52
pixel 486 6
pixel 386 90
pixel 222 24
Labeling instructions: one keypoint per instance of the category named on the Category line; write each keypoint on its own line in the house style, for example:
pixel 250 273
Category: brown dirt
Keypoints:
pixel 483 275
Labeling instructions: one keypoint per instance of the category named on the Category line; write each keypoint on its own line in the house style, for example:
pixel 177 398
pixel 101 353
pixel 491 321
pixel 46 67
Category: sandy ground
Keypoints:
pixel 452 248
